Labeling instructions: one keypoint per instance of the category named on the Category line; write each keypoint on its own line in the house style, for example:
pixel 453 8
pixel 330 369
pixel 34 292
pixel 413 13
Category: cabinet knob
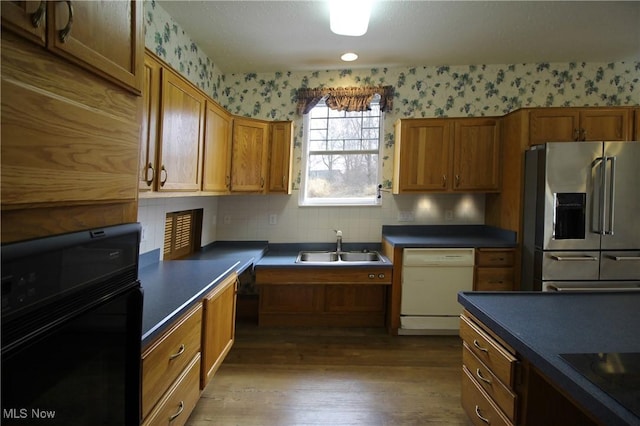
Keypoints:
pixel 63 34
pixel 381 275
pixel 166 175
pixel 484 419
pixel 36 17
pixel 149 179
pixel 177 354
pixel 576 134
pixel 457 181
pixel 180 410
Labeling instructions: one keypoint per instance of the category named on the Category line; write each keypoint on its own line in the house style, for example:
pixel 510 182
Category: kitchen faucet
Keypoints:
pixel 338 240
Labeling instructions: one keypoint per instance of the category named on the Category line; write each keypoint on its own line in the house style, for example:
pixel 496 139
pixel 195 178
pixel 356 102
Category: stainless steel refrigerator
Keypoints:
pixel 581 216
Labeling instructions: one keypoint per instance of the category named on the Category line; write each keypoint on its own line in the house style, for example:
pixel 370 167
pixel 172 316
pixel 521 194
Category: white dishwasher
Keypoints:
pixel 431 280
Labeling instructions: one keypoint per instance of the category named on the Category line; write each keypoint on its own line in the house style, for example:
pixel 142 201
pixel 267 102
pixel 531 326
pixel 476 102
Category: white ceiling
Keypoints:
pixel 266 36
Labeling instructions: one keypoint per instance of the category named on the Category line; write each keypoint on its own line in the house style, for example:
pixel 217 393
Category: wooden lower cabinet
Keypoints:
pixel 167 365
pixel 501 387
pixel 330 297
pixel 480 408
pixel 218 326
pixel 494 269
pixel 489 376
pixel 180 400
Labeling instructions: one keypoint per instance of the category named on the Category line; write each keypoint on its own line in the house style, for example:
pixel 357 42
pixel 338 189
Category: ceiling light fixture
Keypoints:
pixel 349 17
pixel 349 56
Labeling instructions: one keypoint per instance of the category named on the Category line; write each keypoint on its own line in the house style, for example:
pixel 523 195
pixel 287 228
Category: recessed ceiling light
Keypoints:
pixel 349 56
pixel 349 17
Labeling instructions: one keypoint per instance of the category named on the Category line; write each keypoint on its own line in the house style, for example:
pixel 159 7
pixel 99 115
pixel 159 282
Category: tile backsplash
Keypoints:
pixel 430 91
pixel 279 219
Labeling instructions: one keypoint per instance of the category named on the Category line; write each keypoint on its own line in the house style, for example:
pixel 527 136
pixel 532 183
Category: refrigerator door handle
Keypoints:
pixel 572 258
pixel 623 258
pixel 612 195
pixel 600 165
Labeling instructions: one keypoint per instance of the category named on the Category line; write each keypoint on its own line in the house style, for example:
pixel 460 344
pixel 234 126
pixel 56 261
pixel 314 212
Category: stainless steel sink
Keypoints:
pixel 358 256
pixel 317 256
pixel 341 257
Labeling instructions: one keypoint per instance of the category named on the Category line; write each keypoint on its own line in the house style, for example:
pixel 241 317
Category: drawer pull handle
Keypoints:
pixel 177 354
pixel 180 410
pixel 484 419
pixel 477 345
pixel 481 377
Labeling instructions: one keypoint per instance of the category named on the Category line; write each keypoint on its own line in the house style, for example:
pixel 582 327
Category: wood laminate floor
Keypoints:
pixel 289 376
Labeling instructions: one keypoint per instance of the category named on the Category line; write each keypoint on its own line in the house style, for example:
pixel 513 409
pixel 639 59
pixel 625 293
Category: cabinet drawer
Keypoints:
pixel 486 257
pixel 483 376
pixel 477 404
pixel 180 400
pixel 163 362
pixel 494 279
pixel 489 351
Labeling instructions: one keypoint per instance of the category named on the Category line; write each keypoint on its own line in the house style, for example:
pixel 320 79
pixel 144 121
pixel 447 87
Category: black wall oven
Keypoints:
pixel 71 329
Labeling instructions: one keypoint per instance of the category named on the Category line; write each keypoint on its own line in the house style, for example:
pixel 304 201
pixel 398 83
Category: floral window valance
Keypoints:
pixel 345 98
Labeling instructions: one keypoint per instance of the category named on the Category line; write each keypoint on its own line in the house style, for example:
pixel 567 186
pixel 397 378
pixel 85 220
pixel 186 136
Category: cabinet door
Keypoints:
pixel 59 150
pixel 148 168
pixel 249 155
pixel 27 18
pixel 606 124
pixel 476 155
pixel 422 156
pixel 217 149
pixel 636 126
pixel 280 158
pixel 182 131
pixel 105 37
pixel 218 329
pixel 553 125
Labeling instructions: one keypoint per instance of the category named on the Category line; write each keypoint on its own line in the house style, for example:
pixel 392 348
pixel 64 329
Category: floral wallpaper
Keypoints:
pixel 429 91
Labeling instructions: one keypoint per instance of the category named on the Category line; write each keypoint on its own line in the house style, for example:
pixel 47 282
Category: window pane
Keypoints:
pixel 343 155
pixel 342 175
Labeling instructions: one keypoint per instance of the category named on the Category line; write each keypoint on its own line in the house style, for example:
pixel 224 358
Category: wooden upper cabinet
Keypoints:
pixel 27 18
pixel 553 125
pixel 64 141
pixel 148 167
pixel 476 155
pixel 249 155
pixel 441 155
pixel 181 135
pixel 422 153
pixel 105 37
pixel 579 124
pixel 217 149
pixel 606 124
pixel 636 134
pixel 280 159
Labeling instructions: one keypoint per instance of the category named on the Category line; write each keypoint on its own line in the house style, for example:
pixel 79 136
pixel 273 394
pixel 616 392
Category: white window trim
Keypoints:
pixel 303 201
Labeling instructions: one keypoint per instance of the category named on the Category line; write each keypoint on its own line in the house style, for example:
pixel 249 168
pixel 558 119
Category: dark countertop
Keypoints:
pixel 172 287
pixel 540 326
pixel 413 236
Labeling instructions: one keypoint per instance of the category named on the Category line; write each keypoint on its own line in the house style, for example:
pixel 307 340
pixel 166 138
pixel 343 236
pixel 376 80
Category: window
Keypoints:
pixel 341 156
